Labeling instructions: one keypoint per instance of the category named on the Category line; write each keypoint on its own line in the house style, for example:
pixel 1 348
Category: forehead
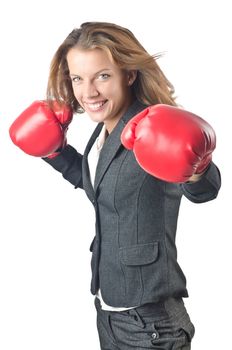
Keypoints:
pixel 89 60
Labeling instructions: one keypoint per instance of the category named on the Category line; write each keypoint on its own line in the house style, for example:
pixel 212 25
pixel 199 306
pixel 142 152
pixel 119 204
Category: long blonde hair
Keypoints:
pixel 150 87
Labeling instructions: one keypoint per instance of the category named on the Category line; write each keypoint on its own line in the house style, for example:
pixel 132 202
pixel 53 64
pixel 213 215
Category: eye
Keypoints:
pixel 104 76
pixel 75 79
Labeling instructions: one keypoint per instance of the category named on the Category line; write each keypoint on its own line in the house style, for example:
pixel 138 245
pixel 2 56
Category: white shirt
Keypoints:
pixel 93 157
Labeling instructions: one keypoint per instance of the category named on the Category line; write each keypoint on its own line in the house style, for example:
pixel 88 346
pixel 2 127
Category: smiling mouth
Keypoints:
pixel 95 106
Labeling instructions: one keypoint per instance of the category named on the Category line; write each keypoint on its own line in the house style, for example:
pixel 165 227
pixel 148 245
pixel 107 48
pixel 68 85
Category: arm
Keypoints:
pixel 206 188
pixel 69 163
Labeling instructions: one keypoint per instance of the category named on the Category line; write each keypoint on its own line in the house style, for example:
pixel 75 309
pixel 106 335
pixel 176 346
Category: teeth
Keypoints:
pixel 95 106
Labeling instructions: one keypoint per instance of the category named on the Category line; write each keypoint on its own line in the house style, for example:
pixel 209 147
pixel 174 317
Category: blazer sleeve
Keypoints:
pixel 206 188
pixel 69 164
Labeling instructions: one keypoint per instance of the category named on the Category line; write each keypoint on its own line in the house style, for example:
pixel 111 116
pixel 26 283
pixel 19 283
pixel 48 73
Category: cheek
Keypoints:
pixel 76 93
pixel 116 90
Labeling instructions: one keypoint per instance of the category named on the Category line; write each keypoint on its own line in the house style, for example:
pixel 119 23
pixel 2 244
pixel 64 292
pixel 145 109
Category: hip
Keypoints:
pixel 163 325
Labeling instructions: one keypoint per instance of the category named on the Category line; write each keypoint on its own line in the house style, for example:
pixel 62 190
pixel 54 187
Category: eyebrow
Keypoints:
pixel 101 70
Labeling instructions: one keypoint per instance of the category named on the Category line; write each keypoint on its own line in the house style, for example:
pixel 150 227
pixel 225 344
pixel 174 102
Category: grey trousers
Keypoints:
pixel 163 326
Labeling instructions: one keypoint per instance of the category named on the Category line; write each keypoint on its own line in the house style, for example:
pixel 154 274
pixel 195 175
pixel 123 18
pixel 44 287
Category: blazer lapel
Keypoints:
pixel 113 143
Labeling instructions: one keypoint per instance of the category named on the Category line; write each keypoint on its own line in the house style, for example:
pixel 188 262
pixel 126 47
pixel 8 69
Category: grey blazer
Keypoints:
pixel 134 256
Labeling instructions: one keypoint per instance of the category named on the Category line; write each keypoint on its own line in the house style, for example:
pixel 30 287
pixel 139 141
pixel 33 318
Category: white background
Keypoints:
pixel 47 226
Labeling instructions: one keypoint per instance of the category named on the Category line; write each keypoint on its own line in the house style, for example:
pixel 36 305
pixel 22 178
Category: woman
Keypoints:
pixel 144 154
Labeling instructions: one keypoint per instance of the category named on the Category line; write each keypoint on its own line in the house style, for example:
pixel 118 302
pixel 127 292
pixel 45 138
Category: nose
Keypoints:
pixel 89 90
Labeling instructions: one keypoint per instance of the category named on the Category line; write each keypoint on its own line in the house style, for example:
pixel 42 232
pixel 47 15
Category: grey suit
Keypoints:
pixel 134 258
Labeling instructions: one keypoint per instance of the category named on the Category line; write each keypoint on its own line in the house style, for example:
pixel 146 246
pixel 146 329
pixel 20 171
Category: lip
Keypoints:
pixel 95 106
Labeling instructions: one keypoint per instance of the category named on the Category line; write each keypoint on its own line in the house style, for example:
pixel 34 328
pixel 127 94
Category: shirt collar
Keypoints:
pixel 101 138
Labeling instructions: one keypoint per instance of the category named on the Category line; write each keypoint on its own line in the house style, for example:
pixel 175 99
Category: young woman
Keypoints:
pixel 144 154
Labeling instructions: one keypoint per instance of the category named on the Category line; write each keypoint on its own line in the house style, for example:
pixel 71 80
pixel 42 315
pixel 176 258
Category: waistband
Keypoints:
pixel 169 307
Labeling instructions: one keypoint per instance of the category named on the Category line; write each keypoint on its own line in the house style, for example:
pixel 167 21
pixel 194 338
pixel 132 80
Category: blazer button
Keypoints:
pixel 155 335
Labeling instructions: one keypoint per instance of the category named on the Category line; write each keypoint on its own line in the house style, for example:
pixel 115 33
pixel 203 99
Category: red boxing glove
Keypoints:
pixel 170 143
pixel 40 131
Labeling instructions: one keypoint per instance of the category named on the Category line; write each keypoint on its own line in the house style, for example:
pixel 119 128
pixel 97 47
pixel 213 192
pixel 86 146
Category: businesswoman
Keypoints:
pixel 144 155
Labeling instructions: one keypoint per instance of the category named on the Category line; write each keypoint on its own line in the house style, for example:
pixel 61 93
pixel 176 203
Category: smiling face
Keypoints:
pixel 102 89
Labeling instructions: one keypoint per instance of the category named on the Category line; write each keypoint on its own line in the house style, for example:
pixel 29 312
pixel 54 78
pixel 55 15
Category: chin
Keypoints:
pixel 96 119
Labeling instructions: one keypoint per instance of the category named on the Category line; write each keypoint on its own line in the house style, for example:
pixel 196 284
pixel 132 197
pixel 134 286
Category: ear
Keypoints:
pixel 132 74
